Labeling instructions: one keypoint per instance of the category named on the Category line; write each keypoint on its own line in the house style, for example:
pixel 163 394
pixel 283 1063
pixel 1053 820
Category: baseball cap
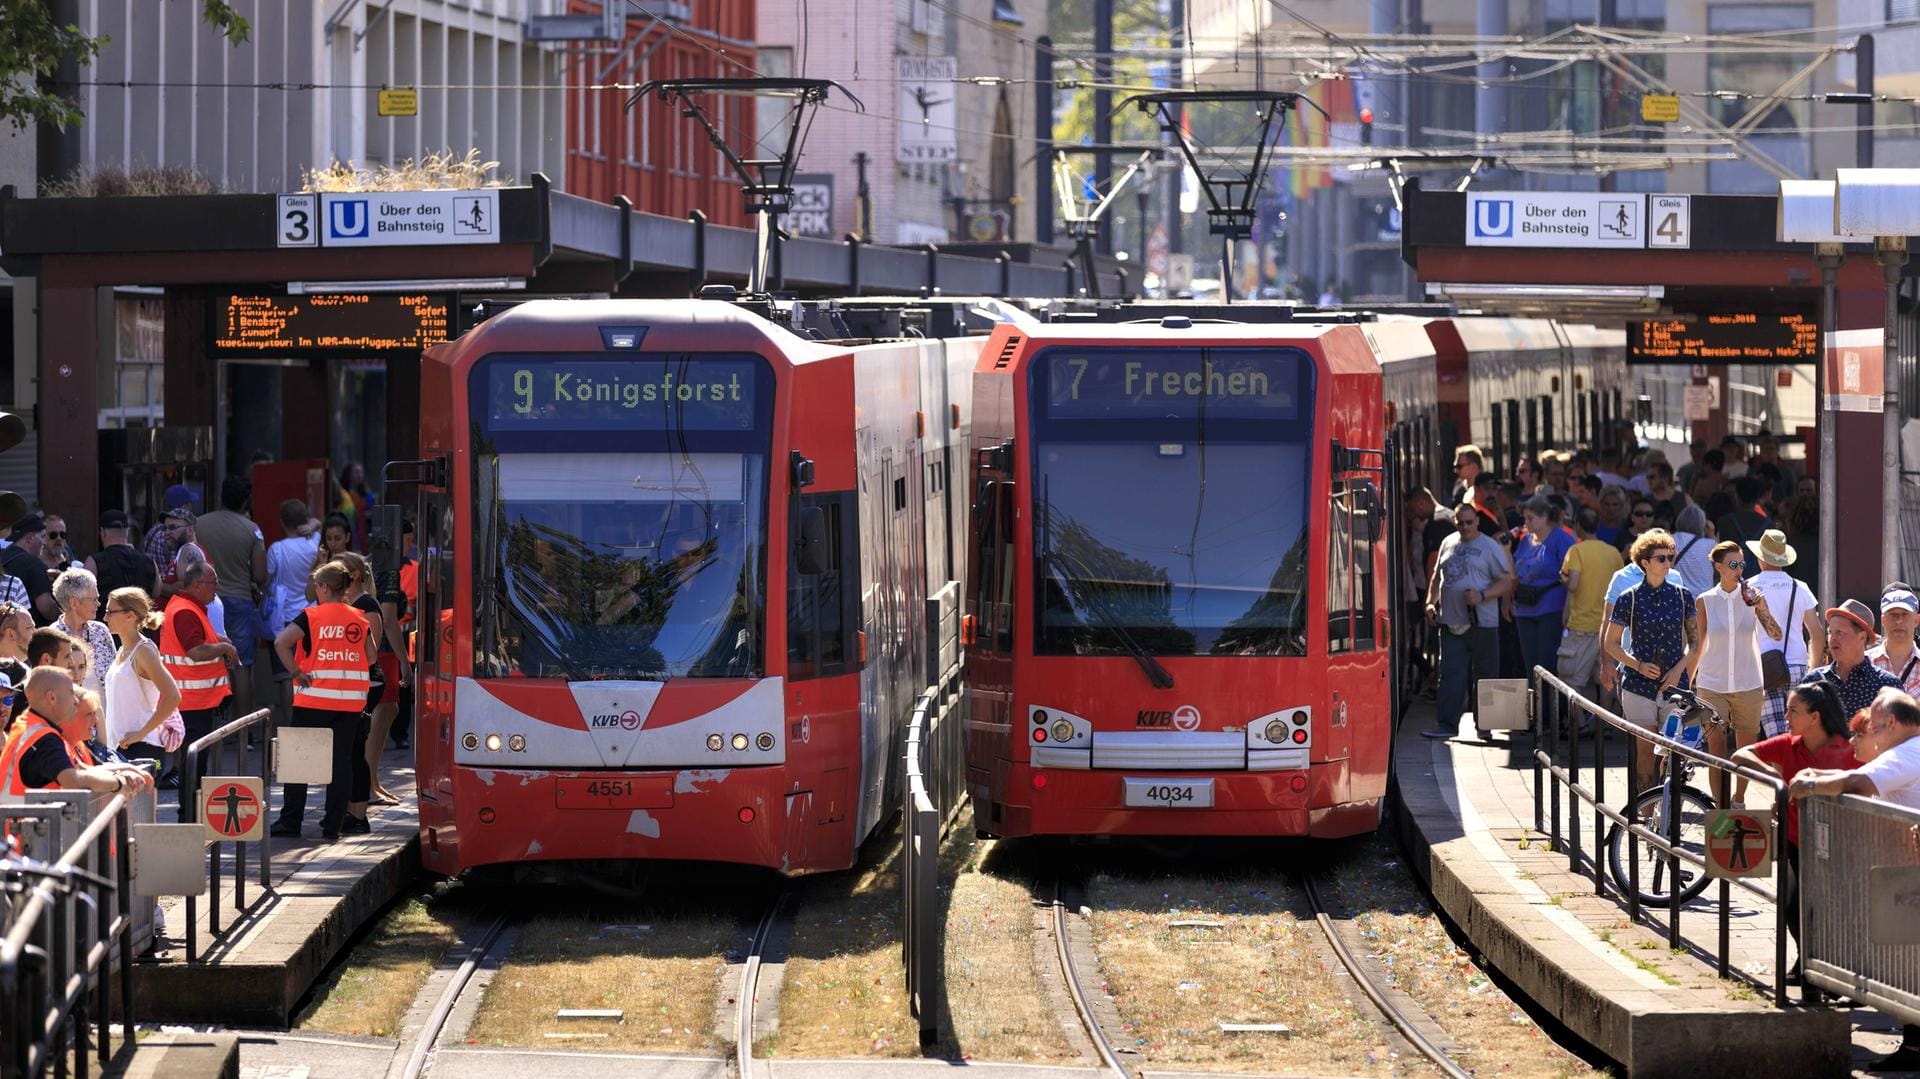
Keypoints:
pixel 114 519
pixel 1901 599
pixel 181 495
pixel 180 513
pixel 28 525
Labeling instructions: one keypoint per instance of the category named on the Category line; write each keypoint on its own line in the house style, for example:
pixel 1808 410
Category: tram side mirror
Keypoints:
pixel 802 472
pixel 810 547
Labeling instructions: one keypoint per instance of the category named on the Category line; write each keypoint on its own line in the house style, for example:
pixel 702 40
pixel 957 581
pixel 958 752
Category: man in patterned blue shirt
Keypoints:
pixel 1849 635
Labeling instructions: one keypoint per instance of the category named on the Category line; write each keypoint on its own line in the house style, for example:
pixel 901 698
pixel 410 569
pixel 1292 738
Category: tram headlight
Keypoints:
pixel 716 742
pixel 471 742
pixel 493 743
pixel 1276 731
pixel 764 740
pixel 517 743
pixel 1061 730
pixel 739 741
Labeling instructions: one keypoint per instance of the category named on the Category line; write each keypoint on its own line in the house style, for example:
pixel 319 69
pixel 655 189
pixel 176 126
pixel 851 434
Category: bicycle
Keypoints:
pixel 1688 722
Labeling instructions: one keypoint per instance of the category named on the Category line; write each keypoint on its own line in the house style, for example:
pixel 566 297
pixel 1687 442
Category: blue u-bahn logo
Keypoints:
pixel 347 218
pixel 1493 217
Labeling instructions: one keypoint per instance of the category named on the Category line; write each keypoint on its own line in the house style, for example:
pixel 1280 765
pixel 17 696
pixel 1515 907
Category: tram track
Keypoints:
pixel 1077 991
pixel 749 991
pixel 1363 978
pixel 410 1062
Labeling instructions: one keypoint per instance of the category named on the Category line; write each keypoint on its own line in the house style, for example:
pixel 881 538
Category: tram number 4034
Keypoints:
pixel 1176 793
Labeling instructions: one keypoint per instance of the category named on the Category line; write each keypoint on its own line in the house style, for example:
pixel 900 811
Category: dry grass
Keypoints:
pixel 998 1007
pixel 430 172
pixel 141 180
pixel 845 993
pixel 1401 932
pixel 1174 986
pixel 664 977
pixel 371 991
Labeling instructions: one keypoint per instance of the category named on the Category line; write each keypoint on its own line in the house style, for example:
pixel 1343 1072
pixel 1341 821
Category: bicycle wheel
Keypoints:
pixel 1657 871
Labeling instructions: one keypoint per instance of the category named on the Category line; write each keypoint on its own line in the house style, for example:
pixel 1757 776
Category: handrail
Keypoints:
pixel 933 796
pixel 53 958
pixel 213 743
pixel 1551 701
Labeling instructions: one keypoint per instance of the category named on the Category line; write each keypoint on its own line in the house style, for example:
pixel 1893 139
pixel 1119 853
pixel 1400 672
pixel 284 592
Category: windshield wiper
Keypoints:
pixel 1158 675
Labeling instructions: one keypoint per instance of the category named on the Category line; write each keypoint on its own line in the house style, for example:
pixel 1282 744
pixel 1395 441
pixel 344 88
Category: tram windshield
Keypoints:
pixel 1170 494
pixel 621 538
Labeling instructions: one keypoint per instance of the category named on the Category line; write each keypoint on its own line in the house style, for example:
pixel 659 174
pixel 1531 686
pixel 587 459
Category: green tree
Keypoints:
pixel 32 45
pixel 1070 23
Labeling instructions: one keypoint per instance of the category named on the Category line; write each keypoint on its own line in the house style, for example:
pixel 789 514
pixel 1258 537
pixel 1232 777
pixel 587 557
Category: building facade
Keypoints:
pixel 969 177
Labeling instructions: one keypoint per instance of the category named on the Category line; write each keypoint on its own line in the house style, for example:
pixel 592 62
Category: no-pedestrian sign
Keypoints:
pixel 233 808
pixel 1739 844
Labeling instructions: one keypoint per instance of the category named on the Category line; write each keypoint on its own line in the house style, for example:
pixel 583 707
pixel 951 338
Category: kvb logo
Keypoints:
pixel 1493 217
pixel 333 633
pixel 1186 718
pixel 628 720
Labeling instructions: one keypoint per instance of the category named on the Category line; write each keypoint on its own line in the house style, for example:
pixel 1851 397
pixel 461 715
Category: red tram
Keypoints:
pixel 1177 611
pixel 675 566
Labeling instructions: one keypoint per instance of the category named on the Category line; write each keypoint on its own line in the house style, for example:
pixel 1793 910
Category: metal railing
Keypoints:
pixel 69 925
pixel 1560 762
pixel 935 780
pixel 215 745
pixel 1860 881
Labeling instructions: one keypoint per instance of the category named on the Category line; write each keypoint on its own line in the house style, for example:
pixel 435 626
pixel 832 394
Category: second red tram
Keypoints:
pixel 1177 604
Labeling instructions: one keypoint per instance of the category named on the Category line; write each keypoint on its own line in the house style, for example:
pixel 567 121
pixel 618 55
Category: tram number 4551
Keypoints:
pixel 609 788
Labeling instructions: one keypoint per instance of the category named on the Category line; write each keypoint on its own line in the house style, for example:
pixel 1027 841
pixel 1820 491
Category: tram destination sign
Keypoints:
pixel 1224 384
pixel 1733 337
pixel 524 394
pixel 328 324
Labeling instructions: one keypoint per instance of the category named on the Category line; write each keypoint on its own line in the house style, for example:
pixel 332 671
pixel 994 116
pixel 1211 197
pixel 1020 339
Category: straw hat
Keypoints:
pixel 1772 548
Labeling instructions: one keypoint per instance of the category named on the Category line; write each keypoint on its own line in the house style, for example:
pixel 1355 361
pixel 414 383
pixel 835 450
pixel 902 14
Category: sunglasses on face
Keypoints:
pixel 1734 564
pixel 56 535
pixel 1643 513
pixel 1663 559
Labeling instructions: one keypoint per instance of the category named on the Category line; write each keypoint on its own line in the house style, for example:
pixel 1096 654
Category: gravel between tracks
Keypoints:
pixel 1400 931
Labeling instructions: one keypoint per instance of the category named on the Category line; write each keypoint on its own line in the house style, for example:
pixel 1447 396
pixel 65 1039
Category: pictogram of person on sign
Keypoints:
pixel 1739 834
pixel 234 798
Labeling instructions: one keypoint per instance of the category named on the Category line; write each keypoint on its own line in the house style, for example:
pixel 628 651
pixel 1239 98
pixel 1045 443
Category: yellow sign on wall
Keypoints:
pixel 1660 108
pixel 404 101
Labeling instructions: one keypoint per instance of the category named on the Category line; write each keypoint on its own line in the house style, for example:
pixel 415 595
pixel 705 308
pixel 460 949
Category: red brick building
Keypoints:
pixel 650 153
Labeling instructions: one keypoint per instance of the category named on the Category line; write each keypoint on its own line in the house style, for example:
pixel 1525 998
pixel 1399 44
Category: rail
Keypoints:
pixel 1859 867
pixel 1558 762
pixel 69 925
pixel 195 758
pixel 935 780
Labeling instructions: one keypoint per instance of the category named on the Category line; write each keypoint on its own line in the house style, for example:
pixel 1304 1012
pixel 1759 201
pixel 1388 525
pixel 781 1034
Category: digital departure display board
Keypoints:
pixel 1220 383
pixel 329 324
pixel 1726 337
pixel 661 393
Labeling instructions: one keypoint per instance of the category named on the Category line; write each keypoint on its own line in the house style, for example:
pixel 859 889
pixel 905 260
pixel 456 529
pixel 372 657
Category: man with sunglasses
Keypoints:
pixel 56 552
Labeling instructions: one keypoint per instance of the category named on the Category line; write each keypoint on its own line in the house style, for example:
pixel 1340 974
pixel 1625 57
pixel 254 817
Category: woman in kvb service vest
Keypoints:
pixel 328 646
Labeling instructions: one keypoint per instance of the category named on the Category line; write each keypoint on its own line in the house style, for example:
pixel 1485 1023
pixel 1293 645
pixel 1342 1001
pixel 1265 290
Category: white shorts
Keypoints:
pixel 1643 711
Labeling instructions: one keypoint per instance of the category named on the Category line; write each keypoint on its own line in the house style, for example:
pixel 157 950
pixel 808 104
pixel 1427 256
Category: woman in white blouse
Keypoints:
pixel 1726 666
pixel 78 593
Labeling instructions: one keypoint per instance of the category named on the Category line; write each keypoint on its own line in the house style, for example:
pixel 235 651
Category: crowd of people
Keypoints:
pixel 114 662
pixel 1626 578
